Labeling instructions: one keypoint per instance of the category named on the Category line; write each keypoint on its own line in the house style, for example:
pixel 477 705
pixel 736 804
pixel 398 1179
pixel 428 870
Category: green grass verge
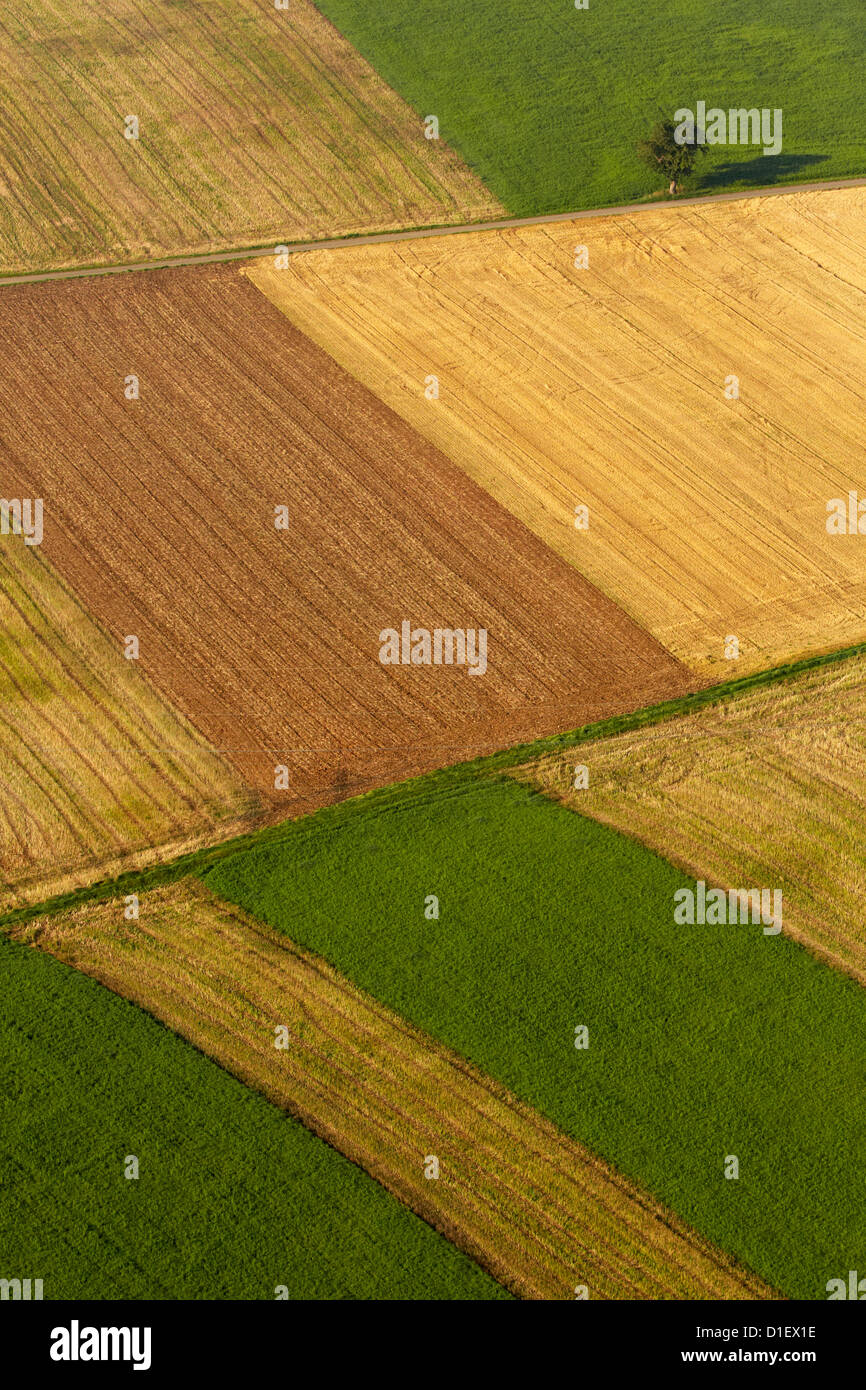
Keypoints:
pixel 704 1041
pixel 546 103
pixel 233 1199
pixel 140 880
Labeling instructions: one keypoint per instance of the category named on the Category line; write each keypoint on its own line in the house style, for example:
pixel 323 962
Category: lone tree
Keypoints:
pixel 661 151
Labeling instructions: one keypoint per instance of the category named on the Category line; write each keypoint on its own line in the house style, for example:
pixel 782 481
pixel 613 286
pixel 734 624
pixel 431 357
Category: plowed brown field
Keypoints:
pixel 254 125
pixel 97 773
pixel 605 387
pixel 160 512
pixel 538 1210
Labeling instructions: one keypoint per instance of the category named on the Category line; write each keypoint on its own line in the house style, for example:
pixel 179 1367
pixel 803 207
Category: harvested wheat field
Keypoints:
pixel 605 388
pixel 253 125
pixel 764 790
pixel 97 772
pixel 536 1209
pixel 161 512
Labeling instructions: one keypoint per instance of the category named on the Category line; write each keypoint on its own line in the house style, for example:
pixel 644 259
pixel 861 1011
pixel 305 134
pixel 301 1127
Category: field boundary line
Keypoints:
pixel 456 776
pixel 262 250
pixel 371 1083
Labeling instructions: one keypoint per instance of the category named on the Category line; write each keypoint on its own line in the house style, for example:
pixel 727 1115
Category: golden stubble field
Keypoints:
pixel 535 1208
pixel 97 772
pixel 254 124
pixel 605 387
pixel 767 790
pixel 161 514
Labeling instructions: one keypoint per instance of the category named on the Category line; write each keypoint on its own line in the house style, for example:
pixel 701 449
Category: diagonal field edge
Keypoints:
pixel 262 250
pixel 140 880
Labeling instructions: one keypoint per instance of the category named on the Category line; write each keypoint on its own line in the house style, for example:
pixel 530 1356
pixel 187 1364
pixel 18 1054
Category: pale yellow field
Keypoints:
pixel 766 790
pixel 537 1210
pixel 255 124
pixel 97 773
pixel 605 387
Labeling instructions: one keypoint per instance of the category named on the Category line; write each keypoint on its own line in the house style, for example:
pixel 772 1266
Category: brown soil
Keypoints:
pixel 606 387
pixel 160 513
pixel 98 774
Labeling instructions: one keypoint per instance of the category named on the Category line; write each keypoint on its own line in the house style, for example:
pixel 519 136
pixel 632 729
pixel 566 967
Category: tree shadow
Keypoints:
pixel 761 171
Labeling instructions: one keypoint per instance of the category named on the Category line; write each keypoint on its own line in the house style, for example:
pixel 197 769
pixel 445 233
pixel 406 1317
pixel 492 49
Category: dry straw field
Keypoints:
pixel 605 387
pixel 160 512
pixel 254 125
pixel 766 789
pixel 535 1208
pixel 98 773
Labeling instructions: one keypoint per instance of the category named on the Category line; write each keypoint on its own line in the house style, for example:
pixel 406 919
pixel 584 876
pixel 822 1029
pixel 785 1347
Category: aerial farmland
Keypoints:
pixel 199 127
pixel 99 772
pixel 271 643
pixel 432 670
pixel 694 387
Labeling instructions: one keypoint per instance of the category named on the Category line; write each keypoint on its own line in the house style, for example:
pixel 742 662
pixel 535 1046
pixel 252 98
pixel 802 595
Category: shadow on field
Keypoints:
pixel 762 170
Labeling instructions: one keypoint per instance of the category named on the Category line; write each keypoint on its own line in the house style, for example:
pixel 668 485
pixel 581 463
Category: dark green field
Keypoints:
pixel 233 1198
pixel 547 103
pixel 704 1041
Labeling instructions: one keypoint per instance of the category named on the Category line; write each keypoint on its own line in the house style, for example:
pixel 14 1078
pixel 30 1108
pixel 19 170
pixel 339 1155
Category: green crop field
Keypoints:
pixel 233 1197
pixel 704 1042
pixel 546 103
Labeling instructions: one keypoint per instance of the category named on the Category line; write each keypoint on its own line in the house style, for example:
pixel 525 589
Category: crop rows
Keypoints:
pixel 254 126
pixel 769 789
pixel 98 773
pixel 532 1206
pixel 161 514
pixel 610 387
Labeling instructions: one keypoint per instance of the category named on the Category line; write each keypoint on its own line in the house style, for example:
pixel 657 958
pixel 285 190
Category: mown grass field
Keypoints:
pixel 534 1208
pixel 703 1042
pixel 98 774
pixel 767 789
pixel 605 388
pixel 255 125
pixel 233 1197
pixel 547 103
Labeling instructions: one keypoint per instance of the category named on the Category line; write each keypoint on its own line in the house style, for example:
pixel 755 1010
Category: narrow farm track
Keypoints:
pixel 260 253
pixel 536 1209
pixel 606 386
pixel 99 774
pixel 254 125
pixel 160 512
